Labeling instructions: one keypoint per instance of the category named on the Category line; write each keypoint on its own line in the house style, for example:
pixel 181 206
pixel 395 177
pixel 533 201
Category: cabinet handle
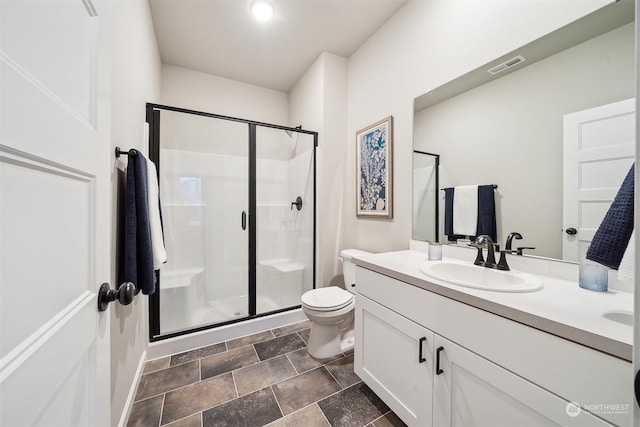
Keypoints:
pixel 421 359
pixel 438 370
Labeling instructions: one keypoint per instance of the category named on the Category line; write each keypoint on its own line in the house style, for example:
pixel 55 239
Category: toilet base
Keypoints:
pixel 328 341
pixel 348 341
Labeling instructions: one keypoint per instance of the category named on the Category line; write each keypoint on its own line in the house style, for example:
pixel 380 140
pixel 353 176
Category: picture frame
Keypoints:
pixel 374 170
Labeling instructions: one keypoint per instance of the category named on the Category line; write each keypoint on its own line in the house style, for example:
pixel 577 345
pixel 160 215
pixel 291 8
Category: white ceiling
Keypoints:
pixel 222 37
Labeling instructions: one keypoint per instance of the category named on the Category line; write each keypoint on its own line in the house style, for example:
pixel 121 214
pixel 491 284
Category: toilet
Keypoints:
pixel 330 311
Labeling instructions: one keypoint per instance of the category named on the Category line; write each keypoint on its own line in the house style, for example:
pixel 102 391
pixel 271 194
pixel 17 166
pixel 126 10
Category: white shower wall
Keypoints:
pixel 284 234
pixel 203 195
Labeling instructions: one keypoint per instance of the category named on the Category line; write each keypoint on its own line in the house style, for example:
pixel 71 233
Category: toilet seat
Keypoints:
pixel 330 298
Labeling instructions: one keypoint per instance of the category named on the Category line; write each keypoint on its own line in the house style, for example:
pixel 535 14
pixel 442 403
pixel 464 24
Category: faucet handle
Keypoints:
pixel 479 257
pixel 502 264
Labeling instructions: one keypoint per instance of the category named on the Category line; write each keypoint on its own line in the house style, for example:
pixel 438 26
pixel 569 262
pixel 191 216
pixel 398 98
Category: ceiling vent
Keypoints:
pixel 506 64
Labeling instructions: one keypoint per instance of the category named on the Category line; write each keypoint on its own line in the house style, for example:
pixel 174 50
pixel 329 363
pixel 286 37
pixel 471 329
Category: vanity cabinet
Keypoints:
pixel 395 359
pixel 471 391
pixel 435 361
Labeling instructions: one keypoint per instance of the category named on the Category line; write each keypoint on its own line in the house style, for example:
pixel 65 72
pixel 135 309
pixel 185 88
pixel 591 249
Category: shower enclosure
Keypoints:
pixel 238 209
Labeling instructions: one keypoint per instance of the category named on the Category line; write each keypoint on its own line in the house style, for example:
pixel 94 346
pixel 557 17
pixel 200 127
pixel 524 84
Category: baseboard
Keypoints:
pixel 223 333
pixel 124 418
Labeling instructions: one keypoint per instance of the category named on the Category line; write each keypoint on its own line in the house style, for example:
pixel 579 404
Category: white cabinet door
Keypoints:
pixel 471 391
pixel 394 356
pixel 55 212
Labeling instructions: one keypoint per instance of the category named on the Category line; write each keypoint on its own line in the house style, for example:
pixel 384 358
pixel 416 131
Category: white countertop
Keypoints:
pixel 561 307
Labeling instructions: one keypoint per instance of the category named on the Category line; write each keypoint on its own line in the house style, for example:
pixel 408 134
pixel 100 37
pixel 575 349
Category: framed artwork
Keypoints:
pixel 374 163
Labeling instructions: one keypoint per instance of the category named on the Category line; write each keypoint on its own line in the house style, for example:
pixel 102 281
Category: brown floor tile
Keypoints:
pixel 354 406
pixel 197 397
pixel 192 421
pixel 310 416
pixel 263 374
pixel 156 365
pixel 304 389
pixel 294 327
pixel 278 346
pixel 303 362
pixel 250 339
pixel 255 409
pixel 167 379
pixel 146 412
pixel 228 361
pixel 390 419
pixel 342 370
pixel 304 334
pixel 198 353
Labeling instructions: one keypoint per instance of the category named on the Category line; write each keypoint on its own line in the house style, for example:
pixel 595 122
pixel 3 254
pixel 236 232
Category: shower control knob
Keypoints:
pixel 571 231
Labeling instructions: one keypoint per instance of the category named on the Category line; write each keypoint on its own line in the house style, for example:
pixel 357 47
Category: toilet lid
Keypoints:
pixel 326 299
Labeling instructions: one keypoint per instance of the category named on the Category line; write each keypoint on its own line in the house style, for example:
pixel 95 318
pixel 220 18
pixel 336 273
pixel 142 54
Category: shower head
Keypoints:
pixel 292 151
pixel 290 133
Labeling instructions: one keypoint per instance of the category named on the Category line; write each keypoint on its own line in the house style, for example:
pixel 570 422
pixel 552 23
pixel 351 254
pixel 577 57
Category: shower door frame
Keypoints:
pixel 153 121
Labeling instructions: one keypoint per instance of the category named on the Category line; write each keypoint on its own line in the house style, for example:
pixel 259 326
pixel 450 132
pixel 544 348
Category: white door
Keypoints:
pixel 54 212
pixel 599 148
pixel 468 390
pixel 393 355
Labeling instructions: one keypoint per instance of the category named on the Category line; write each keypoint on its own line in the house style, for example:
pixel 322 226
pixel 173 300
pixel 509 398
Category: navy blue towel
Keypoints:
pixel 612 237
pixel 137 262
pixel 487 212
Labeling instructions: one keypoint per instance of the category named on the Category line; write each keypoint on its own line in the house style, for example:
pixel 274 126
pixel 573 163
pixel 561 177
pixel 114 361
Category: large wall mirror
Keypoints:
pixel 510 129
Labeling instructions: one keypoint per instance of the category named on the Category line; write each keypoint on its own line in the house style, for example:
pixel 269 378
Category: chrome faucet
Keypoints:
pixel 481 242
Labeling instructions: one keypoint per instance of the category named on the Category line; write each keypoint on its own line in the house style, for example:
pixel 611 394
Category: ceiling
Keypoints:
pixel 222 37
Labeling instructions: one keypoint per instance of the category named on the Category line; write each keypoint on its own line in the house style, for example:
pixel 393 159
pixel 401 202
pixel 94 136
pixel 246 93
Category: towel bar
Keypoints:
pixel 494 186
pixel 119 152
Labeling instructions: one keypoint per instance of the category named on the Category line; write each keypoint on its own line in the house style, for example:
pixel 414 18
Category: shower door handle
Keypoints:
pixel 244 220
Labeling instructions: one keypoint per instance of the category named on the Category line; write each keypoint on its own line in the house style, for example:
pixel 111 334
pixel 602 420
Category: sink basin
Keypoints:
pixel 473 276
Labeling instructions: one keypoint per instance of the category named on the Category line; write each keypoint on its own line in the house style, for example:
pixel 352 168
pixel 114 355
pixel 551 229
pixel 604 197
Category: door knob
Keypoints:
pixel 124 294
pixel 571 231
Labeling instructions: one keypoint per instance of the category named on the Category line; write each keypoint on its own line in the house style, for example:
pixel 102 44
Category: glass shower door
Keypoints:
pixel 285 217
pixel 204 182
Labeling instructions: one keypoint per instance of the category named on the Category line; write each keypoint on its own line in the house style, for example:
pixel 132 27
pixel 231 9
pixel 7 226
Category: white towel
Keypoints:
pixel 465 210
pixel 627 265
pixel 155 223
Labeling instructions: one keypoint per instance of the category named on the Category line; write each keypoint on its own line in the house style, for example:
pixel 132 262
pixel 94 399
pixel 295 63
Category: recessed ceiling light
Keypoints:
pixel 262 9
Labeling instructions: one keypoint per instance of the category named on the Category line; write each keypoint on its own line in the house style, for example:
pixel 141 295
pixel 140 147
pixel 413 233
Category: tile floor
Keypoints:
pixel 262 379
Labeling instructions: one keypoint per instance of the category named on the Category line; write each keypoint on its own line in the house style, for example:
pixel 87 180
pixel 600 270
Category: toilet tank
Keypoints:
pixel 349 268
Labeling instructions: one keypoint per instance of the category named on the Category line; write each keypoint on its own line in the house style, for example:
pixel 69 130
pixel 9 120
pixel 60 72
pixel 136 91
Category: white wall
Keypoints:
pixel 185 88
pixel 426 44
pixel 135 81
pixel 510 131
pixel 318 102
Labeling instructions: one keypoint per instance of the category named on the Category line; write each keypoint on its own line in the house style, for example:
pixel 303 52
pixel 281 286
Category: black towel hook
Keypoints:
pixel 119 152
